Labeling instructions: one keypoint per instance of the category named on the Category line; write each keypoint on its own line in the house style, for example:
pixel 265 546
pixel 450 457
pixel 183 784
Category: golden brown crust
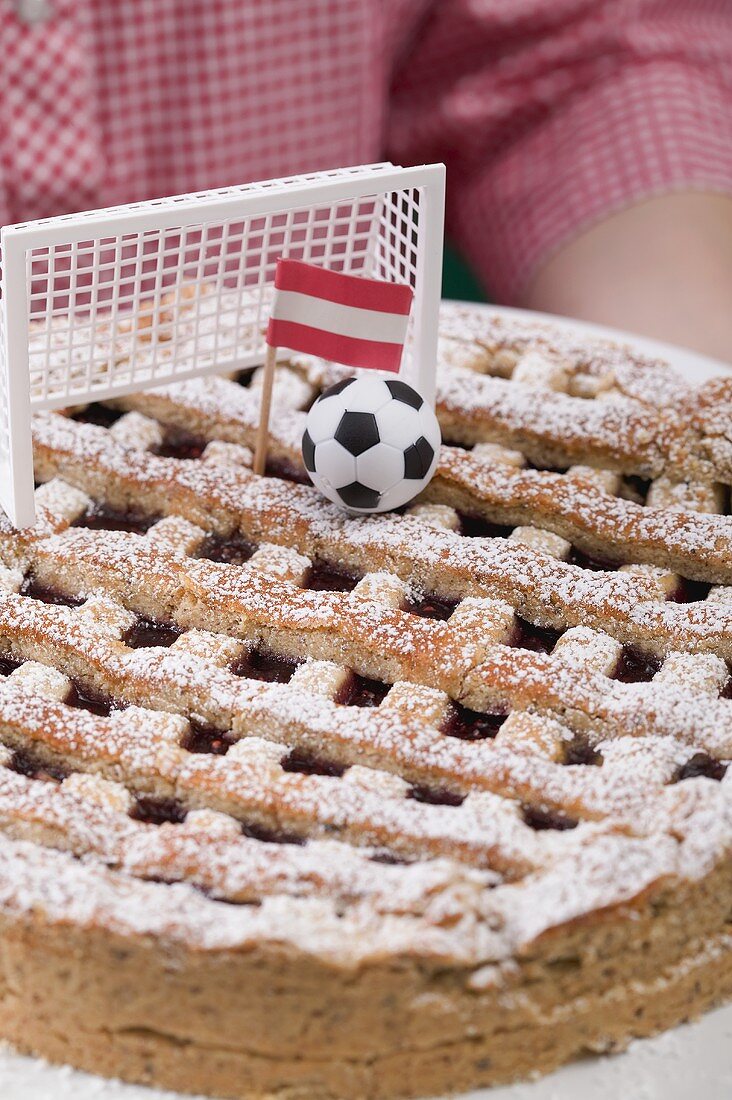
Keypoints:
pixel 269 1021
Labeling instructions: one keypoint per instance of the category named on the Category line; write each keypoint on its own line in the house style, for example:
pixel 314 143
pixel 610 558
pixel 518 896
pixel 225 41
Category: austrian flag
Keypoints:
pixel 344 318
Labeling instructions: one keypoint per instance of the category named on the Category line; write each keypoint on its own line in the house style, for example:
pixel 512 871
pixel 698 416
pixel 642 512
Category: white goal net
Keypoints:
pixel 102 303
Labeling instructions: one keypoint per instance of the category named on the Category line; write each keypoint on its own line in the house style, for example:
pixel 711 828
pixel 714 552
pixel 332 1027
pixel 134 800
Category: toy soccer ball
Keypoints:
pixel 371 444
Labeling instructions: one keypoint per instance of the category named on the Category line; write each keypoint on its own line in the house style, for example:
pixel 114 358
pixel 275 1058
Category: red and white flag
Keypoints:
pixel 350 320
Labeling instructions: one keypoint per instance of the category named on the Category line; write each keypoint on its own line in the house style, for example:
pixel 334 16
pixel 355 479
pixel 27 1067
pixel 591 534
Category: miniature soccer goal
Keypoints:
pixel 103 303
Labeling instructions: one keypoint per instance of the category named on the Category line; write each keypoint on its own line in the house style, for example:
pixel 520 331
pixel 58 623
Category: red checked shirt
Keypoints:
pixel 549 113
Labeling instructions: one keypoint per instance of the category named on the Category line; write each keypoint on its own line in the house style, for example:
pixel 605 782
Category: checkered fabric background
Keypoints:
pixel 549 113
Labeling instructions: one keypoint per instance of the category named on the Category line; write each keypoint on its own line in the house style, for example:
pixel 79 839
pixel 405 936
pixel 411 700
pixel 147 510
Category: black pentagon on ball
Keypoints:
pixel 337 387
pixel 357 432
pixel 308 452
pixel 357 495
pixel 418 459
pixel 400 391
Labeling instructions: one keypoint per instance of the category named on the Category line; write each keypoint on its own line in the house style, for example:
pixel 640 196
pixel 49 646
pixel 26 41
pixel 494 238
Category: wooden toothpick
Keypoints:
pixel 260 454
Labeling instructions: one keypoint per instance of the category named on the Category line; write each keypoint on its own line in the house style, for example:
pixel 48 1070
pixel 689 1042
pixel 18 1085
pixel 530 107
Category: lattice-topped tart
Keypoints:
pixel 301 804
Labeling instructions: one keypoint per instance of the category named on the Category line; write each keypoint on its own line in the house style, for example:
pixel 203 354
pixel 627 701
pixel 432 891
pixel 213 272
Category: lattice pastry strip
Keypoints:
pixel 245 503
pixel 250 785
pixel 11 580
pixel 660 539
pixel 491 343
pixel 210 590
pixel 686 495
pixel 541 371
pixel 219 453
pixel 536 735
pixel 683 437
pixel 89 816
pixel 252 709
pixel 272 750
pixel 586 517
pixel 137 431
pixel 488 695
pixel 502 408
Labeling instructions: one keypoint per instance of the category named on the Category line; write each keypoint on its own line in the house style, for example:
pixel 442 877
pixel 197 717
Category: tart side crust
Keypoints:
pixel 273 1021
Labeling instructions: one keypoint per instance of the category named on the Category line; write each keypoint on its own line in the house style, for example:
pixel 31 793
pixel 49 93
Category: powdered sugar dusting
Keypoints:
pixel 596 789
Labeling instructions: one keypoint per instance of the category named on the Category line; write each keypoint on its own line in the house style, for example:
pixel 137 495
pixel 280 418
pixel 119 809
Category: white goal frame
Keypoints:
pixel 106 302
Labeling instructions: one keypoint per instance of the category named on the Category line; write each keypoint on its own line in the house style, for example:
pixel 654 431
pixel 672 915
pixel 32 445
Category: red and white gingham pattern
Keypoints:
pixel 549 113
pixel 51 139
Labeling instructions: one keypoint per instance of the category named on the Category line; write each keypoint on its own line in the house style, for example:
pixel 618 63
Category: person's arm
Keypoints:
pixel 661 268
pixel 590 155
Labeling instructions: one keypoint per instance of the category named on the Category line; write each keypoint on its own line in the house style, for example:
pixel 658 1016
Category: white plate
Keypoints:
pixel 691 1061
